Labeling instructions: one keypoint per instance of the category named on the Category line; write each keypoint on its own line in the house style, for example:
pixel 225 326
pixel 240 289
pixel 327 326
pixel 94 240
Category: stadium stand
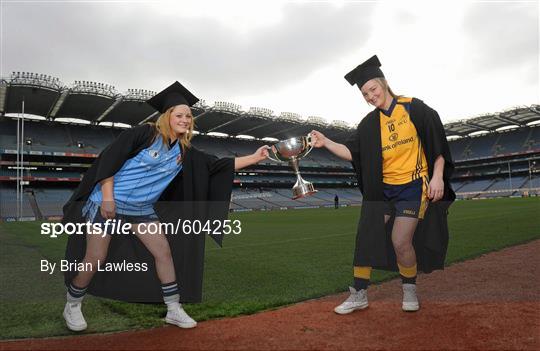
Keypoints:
pixel 8 201
pixel 51 200
pixel 92 139
pixel 503 161
pixel 515 141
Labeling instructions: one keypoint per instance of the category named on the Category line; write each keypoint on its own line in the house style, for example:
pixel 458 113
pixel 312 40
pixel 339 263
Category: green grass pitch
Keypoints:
pixel 281 257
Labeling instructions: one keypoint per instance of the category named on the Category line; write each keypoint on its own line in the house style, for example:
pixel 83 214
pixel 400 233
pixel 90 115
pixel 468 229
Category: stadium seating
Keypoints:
pixel 476 186
pixel 8 204
pixel 282 198
pixel 534 138
pixel 457 148
pixel 493 144
pixel 50 201
pixel 49 136
pixel 35 173
pixel 479 172
pixel 514 141
pixel 92 139
pixel 481 146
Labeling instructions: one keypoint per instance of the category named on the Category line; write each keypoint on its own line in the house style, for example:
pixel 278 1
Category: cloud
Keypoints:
pixel 289 56
pixel 134 47
pixel 501 35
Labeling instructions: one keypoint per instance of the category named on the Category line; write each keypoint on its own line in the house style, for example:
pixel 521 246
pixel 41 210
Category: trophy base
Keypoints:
pixel 303 190
pixel 296 197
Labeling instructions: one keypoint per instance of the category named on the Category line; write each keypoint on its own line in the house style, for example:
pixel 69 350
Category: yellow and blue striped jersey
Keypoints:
pixel 403 157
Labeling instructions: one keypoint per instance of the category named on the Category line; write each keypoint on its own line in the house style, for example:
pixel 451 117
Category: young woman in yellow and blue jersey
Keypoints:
pixel 403 164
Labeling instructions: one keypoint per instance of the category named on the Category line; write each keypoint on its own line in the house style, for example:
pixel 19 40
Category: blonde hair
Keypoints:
pixel 163 129
pixel 384 84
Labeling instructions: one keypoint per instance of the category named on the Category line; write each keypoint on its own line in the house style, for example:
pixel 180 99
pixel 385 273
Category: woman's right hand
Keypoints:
pixel 317 139
pixel 108 209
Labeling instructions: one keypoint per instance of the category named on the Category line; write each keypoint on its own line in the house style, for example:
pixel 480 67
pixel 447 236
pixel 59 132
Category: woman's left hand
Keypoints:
pixel 436 189
pixel 261 154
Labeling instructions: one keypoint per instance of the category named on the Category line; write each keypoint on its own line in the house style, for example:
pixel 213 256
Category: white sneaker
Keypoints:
pixel 356 301
pixel 410 300
pixel 177 316
pixel 74 317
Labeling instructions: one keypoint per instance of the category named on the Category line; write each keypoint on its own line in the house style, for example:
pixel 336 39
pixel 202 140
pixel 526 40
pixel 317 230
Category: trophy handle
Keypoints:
pixel 308 138
pixel 271 152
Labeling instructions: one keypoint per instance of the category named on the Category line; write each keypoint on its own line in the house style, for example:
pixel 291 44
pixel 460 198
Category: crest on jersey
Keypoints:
pixel 154 154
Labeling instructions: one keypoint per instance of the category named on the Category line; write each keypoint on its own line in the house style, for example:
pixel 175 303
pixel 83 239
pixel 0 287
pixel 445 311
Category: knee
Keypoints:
pixel 402 246
pixel 163 254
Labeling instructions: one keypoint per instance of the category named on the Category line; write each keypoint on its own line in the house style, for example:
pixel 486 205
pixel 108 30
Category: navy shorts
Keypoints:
pixel 407 200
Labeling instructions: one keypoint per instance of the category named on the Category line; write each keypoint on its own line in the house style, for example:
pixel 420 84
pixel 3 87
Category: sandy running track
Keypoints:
pixel 492 302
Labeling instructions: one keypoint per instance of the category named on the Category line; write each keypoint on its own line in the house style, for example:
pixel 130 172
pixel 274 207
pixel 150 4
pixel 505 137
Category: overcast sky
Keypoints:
pixel 462 58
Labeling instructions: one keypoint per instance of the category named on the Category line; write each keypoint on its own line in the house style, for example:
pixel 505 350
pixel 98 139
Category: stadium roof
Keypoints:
pixel 518 116
pixel 95 102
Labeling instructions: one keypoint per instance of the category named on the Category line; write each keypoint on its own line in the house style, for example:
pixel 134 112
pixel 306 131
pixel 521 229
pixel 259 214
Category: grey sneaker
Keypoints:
pixel 356 301
pixel 74 317
pixel 410 300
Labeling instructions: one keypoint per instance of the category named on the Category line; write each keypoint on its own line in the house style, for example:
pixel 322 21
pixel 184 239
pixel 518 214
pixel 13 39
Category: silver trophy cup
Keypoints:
pixel 291 151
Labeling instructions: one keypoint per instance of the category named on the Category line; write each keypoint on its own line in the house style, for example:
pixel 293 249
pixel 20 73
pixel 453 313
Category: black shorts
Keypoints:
pixel 407 200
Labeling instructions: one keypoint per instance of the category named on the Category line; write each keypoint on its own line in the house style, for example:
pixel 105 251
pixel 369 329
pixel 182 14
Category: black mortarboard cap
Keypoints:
pixel 365 71
pixel 174 94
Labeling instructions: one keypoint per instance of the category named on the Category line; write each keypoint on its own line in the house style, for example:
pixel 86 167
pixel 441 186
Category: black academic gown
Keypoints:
pixel 202 191
pixel 373 241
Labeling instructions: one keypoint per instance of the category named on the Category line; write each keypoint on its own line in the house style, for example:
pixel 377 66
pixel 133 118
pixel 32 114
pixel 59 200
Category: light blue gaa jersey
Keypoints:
pixel 140 181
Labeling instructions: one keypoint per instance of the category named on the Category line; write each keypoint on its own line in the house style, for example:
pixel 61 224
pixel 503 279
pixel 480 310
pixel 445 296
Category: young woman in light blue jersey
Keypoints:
pixel 154 163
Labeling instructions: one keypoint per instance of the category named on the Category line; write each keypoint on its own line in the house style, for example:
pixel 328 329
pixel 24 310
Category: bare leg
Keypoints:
pixel 97 246
pixel 402 235
pixel 158 246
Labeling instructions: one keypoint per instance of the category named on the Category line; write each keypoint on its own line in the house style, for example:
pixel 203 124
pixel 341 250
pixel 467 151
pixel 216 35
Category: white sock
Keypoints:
pixel 72 299
pixel 173 305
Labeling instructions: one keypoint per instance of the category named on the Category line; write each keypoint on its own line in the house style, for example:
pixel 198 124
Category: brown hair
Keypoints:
pixel 163 129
